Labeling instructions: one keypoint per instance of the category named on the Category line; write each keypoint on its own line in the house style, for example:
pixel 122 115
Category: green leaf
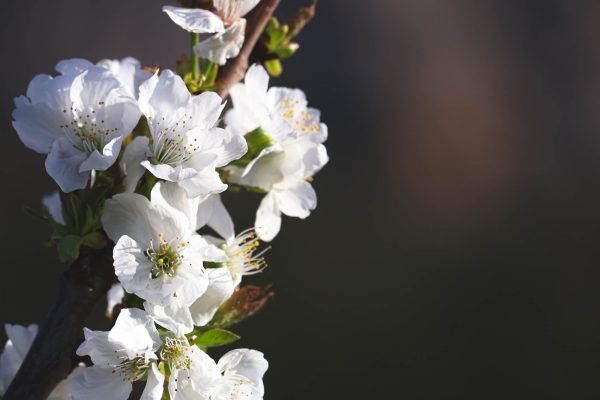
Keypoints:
pixel 214 338
pixel 68 248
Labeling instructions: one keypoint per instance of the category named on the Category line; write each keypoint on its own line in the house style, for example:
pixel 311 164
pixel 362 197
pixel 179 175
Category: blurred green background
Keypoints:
pixel 454 252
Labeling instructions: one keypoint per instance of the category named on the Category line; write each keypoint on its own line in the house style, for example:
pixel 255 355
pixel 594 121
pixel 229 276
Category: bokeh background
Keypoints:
pixel 455 250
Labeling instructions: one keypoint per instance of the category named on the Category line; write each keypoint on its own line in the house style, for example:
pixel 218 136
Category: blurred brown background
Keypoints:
pixel 454 253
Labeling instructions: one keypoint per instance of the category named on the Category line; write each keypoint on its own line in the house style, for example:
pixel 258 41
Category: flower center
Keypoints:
pixel 85 131
pixel 175 353
pixel 169 143
pixel 132 369
pixel 241 259
pixel 301 122
pixel 165 258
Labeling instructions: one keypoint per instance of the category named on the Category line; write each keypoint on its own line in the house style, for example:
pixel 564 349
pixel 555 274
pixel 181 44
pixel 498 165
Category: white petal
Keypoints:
pixel 169 222
pixel 101 351
pixel 135 152
pixel 132 266
pixel 314 159
pixel 63 164
pixel 37 125
pixel 298 200
pixel 220 288
pixel 173 316
pixel 233 9
pixel 127 214
pixel 257 80
pixel 16 348
pixel 169 194
pixel 220 47
pixel 163 93
pixel 54 92
pixel 268 218
pixel 154 384
pixel 246 362
pixel 134 329
pixel 73 66
pixel 203 183
pixel 213 213
pixel 100 384
pixel 194 19
pixel 54 207
pixel 204 376
pixel 101 162
pixel 62 390
pixel 114 297
pixel 266 169
pixel 207 108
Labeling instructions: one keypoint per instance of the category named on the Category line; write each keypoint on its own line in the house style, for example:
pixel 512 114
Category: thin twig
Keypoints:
pixel 236 69
pixel 52 354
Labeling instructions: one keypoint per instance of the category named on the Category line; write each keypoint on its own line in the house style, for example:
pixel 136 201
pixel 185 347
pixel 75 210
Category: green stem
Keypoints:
pixel 195 60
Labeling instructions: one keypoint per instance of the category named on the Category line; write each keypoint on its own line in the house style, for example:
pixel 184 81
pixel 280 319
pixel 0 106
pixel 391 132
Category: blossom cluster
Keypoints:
pixel 163 155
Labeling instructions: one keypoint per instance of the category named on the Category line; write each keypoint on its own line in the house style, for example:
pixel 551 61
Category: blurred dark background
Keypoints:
pixel 455 250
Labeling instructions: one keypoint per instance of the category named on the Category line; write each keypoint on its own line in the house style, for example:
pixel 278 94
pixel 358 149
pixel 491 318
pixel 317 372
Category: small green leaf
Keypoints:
pixel 68 248
pixel 214 338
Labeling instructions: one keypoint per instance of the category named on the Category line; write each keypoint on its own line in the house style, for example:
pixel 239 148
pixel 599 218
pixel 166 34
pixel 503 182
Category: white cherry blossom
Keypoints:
pixel 157 256
pixel 284 168
pixel 125 354
pixel 186 146
pixel 242 372
pixel 78 120
pixel 222 31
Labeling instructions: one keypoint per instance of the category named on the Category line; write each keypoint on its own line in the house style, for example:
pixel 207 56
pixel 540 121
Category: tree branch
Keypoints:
pixel 236 69
pixel 52 354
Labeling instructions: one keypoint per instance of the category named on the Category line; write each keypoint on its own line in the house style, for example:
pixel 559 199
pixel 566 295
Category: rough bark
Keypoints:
pixel 52 354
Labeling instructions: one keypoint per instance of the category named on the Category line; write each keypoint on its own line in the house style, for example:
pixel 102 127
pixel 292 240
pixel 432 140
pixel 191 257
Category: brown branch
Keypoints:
pixel 52 354
pixel 236 69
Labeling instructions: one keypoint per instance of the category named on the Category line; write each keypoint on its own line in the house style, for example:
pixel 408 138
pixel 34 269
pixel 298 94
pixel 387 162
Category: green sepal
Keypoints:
pixel 95 240
pixel 68 248
pixel 257 141
pixel 274 67
pixel 213 337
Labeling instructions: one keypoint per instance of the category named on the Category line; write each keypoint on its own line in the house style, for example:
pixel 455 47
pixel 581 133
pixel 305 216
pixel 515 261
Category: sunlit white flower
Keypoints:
pixel 125 354
pixel 157 255
pixel 79 120
pixel 241 258
pixel 294 154
pixel 19 341
pixel 131 352
pixel 193 374
pixel 242 372
pixel 238 258
pixel 226 25
pixel 186 146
